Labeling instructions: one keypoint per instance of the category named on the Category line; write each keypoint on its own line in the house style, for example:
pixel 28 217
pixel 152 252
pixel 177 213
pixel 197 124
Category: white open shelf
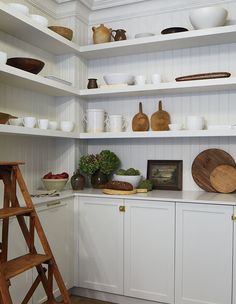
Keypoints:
pixel 219 84
pixel 24 28
pixel 192 38
pixel 19 78
pixel 159 134
pixel 13 130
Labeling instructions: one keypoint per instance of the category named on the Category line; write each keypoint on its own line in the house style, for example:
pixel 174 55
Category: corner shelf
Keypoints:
pixel 192 38
pixel 24 28
pixel 19 78
pixel 15 130
pixel 159 134
pixel 209 85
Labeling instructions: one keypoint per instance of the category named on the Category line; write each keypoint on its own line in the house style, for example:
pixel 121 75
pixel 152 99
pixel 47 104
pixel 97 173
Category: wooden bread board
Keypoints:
pixel 123 192
pixel 223 178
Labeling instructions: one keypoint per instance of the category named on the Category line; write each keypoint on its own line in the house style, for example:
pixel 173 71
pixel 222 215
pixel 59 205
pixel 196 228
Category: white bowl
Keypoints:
pixel 175 127
pixel 141 35
pixel 206 17
pixel 67 126
pixel 119 78
pixel 40 20
pixel 20 8
pixel 219 127
pixel 16 121
pixel 132 179
pixel 54 184
pixel 52 125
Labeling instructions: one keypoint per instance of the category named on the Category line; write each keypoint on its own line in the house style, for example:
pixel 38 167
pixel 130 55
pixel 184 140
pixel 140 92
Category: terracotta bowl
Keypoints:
pixel 63 31
pixel 27 64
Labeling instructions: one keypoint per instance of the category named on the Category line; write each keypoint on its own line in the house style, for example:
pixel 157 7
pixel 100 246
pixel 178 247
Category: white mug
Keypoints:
pixel 3 58
pixel 140 80
pixel 116 123
pixel 194 122
pixel 94 119
pixel 52 125
pixel 67 125
pixel 43 123
pixel 29 122
pixel 156 78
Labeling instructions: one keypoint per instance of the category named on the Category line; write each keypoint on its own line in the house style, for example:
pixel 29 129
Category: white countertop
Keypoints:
pixel 199 197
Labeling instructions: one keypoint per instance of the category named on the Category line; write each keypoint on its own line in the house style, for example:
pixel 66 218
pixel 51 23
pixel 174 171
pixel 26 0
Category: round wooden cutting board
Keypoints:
pixel 205 163
pixel 223 178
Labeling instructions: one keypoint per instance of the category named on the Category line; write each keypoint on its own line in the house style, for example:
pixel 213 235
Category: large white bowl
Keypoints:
pixel 40 19
pixel 54 184
pixel 206 17
pixel 119 78
pixel 20 8
pixel 132 179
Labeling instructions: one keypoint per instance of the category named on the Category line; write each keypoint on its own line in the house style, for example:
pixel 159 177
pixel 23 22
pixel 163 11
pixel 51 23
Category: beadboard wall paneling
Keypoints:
pixel 216 107
pixel 40 154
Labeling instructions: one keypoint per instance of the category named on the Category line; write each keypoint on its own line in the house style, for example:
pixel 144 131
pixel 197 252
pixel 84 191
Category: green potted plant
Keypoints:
pixel 99 166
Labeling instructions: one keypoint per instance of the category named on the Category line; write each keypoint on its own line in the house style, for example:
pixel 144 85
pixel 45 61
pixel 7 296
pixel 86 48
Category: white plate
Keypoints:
pixel 58 79
pixel 141 35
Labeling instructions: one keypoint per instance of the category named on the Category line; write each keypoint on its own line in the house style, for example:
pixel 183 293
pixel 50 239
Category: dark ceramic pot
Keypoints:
pixel 77 181
pixel 98 180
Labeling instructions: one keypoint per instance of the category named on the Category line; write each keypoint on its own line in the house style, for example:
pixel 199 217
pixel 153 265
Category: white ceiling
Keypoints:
pixel 101 4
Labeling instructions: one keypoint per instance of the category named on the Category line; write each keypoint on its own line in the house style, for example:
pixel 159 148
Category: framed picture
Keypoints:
pixel 165 174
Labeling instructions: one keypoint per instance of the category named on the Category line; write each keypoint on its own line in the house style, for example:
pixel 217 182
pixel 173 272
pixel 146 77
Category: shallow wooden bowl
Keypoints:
pixel 4 117
pixel 63 31
pixel 27 64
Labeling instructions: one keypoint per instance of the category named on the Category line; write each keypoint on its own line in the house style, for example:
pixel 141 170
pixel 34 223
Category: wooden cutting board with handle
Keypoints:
pixel 223 178
pixel 205 163
pixel 140 121
pixel 160 119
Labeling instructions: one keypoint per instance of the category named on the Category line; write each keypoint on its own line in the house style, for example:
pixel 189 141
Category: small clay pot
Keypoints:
pixel 92 83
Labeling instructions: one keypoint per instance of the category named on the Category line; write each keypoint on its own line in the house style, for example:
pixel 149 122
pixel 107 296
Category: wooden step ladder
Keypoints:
pixel 11 176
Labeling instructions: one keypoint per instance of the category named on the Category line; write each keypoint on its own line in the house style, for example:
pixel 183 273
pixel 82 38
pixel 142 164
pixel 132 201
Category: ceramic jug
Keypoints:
pixel 120 35
pixel 101 34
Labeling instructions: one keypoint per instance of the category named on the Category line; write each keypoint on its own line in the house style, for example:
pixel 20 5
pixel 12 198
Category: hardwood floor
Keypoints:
pixel 80 300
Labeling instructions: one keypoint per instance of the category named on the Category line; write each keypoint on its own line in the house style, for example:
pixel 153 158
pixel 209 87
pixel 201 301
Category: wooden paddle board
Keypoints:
pixel 223 178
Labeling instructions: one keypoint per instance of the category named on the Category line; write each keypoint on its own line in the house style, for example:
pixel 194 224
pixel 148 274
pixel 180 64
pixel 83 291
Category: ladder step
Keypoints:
pixel 25 262
pixel 12 211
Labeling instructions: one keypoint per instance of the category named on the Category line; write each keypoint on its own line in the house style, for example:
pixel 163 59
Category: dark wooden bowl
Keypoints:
pixel 27 64
pixel 4 117
pixel 63 31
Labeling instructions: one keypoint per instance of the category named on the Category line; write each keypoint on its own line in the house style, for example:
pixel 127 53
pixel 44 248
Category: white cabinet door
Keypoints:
pixel 149 250
pixel 204 237
pixel 100 244
pixel 57 221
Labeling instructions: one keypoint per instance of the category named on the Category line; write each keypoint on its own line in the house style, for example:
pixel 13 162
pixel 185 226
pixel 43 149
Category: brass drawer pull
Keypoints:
pixel 53 203
pixel 122 208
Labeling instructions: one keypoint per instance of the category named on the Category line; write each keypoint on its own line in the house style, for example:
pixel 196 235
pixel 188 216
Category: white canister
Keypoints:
pixel 94 119
pixel 116 123
pixel 43 123
pixel 194 122
pixel 29 122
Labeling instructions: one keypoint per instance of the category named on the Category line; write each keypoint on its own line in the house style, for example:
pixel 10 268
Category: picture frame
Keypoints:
pixel 165 174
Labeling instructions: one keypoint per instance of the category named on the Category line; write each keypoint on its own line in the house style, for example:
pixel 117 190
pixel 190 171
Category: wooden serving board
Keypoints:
pixel 205 163
pixel 123 192
pixel 223 178
pixel 119 192
pixel 203 76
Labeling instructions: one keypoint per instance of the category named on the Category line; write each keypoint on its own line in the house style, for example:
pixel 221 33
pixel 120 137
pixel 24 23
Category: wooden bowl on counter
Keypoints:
pixel 63 31
pixel 30 65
